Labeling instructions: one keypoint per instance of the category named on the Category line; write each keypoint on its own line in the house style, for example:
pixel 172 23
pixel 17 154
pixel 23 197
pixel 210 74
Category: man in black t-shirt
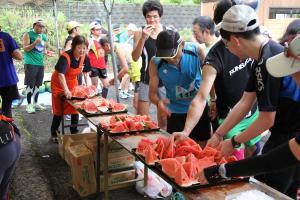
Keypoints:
pixel 73 29
pixel 229 76
pixel 240 33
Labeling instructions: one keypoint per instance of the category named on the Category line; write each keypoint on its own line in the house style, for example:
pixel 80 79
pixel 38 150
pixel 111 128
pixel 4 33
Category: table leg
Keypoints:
pixel 145 175
pixel 98 194
pixel 62 115
pixel 105 167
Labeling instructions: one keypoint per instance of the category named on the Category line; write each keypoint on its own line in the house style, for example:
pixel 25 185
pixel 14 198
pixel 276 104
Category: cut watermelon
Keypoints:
pixel 191 170
pixel 142 145
pixel 231 158
pixel 191 158
pixel 181 159
pixel 91 91
pixel 89 106
pixel 204 163
pixel 170 148
pixel 169 166
pixel 160 147
pixel 185 150
pixel 181 177
pixel 118 107
pixel 150 155
pixel 119 127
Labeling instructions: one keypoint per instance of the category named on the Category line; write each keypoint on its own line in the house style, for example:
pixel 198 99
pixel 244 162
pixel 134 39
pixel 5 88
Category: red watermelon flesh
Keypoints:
pixel 169 166
pixel 191 158
pixel 142 145
pixel 150 155
pixel 222 161
pixel 119 127
pixel 185 150
pixel 118 107
pixel 204 163
pixel 89 107
pixel 191 170
pixel 79 92
pixel 181 159
pixel 231 158
pixel 160 148
pixel 181 177
pixel 150 124
pixel 208 151
pixel 91 90
pixel 170 148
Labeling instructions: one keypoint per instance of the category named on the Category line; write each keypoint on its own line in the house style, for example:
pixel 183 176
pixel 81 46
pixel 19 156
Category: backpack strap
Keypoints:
pixel 190 52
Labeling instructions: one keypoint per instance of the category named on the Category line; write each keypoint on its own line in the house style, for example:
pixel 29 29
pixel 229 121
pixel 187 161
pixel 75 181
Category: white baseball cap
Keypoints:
pixel 72 24
pixel 286 63
pixel 94 25
pixel 239 18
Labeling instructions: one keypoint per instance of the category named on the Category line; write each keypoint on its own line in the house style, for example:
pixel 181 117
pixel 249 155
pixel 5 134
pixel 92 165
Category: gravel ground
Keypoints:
pixel 41 173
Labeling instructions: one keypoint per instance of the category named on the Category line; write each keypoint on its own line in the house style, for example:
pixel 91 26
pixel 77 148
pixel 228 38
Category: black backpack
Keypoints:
pixel 7 130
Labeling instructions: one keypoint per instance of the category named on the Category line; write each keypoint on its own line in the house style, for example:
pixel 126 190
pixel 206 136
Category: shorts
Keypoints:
pixel 34 75
pixel 202 130
pixel 96 72
pixel 9 92
pixel 144 92
pixel 137 87
pixel 240 127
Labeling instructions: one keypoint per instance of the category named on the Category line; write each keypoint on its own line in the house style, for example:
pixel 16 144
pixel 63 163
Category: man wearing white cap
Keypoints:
pixel 96 56
pixel 73 29
pixel 275 96
pixel 282 157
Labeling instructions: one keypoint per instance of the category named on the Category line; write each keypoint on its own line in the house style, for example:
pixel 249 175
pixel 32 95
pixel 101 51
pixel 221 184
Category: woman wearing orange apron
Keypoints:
pixel 64 79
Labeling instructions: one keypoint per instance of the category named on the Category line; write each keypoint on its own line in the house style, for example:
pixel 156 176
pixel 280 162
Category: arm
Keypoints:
pixel 201 53
pixel 16 54
pixel 138 45
pixel 123 62
pixel 26 42
pixel 198 104
pixel 282 157
pixel 68 45
pixel 64 85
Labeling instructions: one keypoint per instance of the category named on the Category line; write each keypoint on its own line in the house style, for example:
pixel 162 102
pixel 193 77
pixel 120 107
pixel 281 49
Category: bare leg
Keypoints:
pixel 95 81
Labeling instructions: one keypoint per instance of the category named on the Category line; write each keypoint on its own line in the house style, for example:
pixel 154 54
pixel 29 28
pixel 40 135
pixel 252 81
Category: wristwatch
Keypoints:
pixel 234 143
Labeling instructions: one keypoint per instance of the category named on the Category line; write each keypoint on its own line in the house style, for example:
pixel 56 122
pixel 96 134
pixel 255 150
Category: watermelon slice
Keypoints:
pixel 170 149
pixel 208 151
pixel 150 124
pixel 89 107
pixel 91 91
pixel 204 163
pixel 150 155
pixel 191 171
pixel 191 158
pixel 119 127
pixel 222 161
pixel 118 107
pixel 160 148
pixel 181 159
pixel 169 166
pixel 185 150
pixel 79 92
pixel 142 145
pixel 231 158
pixel 181 177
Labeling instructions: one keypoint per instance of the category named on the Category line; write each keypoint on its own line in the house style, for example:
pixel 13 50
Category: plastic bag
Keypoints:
pixel 156 186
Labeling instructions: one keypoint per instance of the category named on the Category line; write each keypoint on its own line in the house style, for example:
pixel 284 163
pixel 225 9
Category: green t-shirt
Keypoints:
pixel 36 55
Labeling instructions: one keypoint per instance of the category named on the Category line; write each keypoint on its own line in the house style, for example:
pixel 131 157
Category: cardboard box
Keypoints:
pixel 117 178
pixel 70 142
pixel 118 162
pixel 62 140
pixel 82 170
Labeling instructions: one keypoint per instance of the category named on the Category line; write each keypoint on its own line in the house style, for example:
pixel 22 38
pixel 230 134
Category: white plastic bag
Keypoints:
pixel 156 186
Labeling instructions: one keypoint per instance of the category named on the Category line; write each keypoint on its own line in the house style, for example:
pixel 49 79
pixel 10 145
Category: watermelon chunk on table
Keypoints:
pixel 169 166
pixel 150 155
pixel 142 145
pixel 191 170
pixel 182 178
pixel 89 107
pixel 170 148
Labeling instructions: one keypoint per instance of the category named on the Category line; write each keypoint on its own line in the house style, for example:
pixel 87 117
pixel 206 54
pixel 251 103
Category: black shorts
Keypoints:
pixel 10 92
pixel 202 130
pixel 34 75
pixel 96 72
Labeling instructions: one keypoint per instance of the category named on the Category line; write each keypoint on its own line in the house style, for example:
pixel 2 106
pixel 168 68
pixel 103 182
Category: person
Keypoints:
pixel 228 75
pixel 10 150
pixel 116 32
pixel 96 56
pixel 178 65
pixel 127 36
pixel 103 30
pixel 34 45
pixel 277 97
pixel 9 50
pixel 282 157
pixel 64 79
pixel 144 46
pixel 204 32
pixel 73 29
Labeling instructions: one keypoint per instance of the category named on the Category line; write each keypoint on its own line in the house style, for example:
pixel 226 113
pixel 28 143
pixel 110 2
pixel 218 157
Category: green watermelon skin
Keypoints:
pixel 42 88
pixel 48 86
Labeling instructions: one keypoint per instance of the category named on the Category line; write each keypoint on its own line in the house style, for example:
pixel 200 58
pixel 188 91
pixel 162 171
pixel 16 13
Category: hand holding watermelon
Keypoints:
pixel 226 148
pixel 214 141
pixel 180 136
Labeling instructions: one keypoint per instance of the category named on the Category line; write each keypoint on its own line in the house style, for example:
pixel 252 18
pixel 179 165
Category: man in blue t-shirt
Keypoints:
pixel 178 65
pixel 8 76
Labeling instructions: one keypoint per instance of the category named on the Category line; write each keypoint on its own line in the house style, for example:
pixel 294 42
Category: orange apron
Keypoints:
pixel 57 90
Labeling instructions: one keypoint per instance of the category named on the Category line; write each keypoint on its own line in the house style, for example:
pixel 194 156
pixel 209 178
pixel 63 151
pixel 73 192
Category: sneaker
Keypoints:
pixel 68 117
pixel 39 107
pixel 21 100
pixel 30 108
pixel 122 95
